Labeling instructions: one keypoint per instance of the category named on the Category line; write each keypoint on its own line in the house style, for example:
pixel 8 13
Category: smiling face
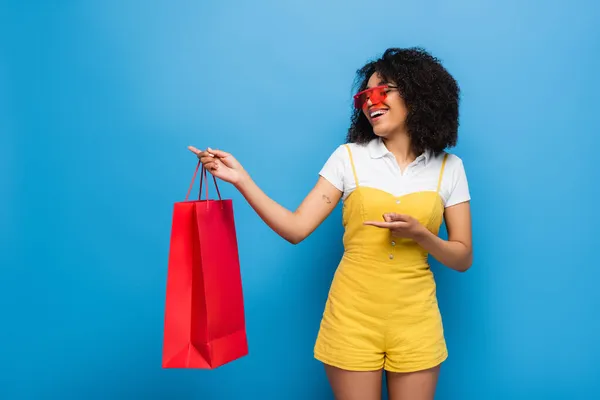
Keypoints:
pixel 384 108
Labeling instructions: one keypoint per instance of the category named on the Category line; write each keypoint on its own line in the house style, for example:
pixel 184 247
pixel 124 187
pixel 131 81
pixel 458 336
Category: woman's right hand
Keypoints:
pixel 292 226
pixel 220 164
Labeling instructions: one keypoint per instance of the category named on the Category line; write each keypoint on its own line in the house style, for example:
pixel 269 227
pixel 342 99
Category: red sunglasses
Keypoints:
pixel 376 95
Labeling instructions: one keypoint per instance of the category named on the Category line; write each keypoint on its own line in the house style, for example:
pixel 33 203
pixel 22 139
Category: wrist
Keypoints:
pixel 242 181
pixel 421 235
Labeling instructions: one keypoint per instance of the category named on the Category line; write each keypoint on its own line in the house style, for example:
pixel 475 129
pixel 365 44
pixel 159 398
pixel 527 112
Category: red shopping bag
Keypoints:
pixel 204 322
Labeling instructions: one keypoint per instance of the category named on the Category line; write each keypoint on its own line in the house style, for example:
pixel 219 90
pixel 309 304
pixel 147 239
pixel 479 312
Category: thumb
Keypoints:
pixel 218 153
pixel 398 217
pixel 225 157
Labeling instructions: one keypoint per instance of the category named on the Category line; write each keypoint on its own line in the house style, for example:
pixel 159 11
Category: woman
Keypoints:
pixel 397 183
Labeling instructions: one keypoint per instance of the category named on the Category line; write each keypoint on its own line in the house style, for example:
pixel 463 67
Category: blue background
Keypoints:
pixel 99 99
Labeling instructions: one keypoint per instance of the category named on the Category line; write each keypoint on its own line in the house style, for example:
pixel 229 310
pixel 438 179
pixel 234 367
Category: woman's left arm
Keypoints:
pixel 456 252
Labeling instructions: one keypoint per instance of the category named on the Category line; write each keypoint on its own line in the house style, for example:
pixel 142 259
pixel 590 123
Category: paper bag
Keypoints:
pixel 204 322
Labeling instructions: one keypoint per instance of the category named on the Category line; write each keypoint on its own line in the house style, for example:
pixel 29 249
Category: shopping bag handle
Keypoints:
pixel 203 176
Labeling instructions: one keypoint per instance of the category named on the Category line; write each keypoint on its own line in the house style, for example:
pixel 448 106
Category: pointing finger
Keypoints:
pixel 201 154
pixel 378 224
pixel 194 150
pixel 388 225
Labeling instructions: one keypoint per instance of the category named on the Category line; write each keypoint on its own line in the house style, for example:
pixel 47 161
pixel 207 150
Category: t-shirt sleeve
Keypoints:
pixel 334 168
pixel 459 189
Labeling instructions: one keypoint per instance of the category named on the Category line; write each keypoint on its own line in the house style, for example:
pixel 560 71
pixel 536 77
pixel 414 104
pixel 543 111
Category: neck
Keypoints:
pixel 401 148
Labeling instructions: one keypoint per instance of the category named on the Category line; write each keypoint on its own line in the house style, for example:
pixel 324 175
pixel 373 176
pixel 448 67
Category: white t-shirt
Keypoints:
pixel 376 167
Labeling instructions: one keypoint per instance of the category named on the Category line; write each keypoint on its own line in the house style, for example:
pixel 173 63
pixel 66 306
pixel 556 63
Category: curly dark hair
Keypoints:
pixel 431 95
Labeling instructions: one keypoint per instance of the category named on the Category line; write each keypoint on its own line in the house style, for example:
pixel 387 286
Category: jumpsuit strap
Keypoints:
pixel 352 164
pixel 442 172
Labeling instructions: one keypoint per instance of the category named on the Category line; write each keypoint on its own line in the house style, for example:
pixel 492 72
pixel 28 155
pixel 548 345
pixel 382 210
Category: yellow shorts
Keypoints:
pixel 355 339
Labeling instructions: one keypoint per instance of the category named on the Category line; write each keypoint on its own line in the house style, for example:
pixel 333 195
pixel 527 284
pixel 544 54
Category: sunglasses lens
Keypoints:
pixel 360 100
pixel 376 95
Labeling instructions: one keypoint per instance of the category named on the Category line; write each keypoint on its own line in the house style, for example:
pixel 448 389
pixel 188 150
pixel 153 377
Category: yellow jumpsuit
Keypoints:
pixel 382 309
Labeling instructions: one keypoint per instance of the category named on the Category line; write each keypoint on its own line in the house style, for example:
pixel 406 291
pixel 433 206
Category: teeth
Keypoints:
pixel 377 113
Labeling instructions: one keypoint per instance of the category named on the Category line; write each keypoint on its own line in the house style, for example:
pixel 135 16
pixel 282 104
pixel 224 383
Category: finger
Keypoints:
pixel 391 217
pixel 388 225
pixel 194 150
pixel 399 217
pixel 218 153
pixel 207 159
pixel 379 224
pixel 199 153
pixel 209 165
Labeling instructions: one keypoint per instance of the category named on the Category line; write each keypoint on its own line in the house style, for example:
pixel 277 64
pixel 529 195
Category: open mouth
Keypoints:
pixel 376 114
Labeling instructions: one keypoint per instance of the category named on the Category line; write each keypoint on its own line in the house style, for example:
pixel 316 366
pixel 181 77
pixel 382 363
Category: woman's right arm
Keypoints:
pixel 293 226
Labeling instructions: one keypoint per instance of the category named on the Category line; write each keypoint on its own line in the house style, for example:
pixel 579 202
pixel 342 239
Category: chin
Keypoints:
pixel 386 129
pixel 382 133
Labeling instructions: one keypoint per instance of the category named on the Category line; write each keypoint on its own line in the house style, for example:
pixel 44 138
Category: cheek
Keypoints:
pixel 398 109
pixel 397 115
pixel 396 101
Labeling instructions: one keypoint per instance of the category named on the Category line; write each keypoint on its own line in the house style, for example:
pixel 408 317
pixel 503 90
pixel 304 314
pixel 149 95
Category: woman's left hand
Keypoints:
pixel 400 225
